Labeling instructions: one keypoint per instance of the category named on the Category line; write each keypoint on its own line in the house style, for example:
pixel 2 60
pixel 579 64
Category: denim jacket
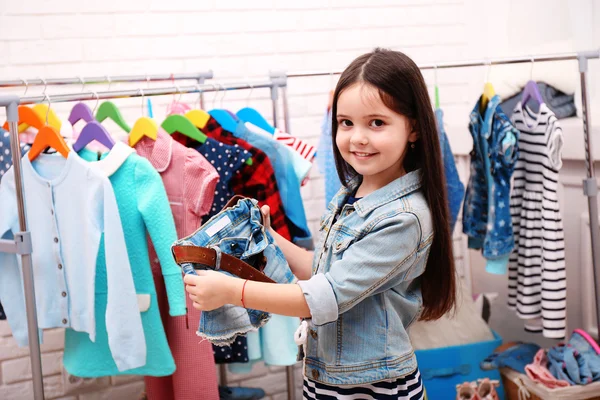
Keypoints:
pixel 456 189
pixel 365 291
pixel 486 210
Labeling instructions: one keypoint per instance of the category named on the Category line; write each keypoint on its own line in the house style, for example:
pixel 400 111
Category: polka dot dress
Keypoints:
pixel 5 164
pixel 5 156
pixel 236 353
pixel 226 159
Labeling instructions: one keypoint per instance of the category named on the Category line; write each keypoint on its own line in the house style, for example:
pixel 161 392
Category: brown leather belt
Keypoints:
pixel 208 257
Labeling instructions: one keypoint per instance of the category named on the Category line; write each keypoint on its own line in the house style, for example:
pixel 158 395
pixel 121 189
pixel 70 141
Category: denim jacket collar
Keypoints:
pixel 393 190
pixel 490 110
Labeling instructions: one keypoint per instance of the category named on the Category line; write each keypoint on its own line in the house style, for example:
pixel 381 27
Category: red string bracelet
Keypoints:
pixel 243 289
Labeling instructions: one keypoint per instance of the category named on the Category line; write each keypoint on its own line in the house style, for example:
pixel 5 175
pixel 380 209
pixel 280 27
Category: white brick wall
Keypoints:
pixel 238 40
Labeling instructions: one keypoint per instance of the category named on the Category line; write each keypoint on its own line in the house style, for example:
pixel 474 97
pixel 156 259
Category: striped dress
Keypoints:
pixel 409 387
pixel 537 277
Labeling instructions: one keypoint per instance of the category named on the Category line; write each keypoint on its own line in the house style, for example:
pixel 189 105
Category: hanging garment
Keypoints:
pixel 326 160
pixel 226 160
pixel 190 182
pixel 302 155
pixel 287 181
pixel 306 150
pixel 5 164
pixel 486 211
pixel 301 165
pixel 256 181
pixel 69 205
pixel 456 189
pixel 561 104
pixel 537 277
pixel 144 207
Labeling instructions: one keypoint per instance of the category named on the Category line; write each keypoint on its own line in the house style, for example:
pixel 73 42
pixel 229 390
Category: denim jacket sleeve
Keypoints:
pixel 384 256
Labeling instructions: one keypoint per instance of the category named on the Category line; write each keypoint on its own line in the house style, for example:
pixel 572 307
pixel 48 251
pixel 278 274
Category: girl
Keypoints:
pixel 385 257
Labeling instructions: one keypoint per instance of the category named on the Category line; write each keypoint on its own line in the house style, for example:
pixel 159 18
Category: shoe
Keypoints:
pixel 487 389
pixel 467 391
pixel 240 393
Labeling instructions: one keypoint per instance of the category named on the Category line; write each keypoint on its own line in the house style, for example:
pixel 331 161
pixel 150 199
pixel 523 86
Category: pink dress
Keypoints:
pixel 190 183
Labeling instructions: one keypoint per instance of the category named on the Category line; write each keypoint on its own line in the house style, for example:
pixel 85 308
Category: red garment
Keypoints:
pixel 190 183
pixel 256 181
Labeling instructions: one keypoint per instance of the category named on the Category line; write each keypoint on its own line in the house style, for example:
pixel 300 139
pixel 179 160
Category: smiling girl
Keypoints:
pixel 385 257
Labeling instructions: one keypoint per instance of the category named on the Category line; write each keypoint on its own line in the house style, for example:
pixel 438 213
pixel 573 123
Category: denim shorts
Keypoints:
pixel 237 231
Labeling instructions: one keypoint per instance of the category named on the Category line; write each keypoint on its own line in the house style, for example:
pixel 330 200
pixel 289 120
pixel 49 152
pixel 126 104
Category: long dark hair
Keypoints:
pixel 403 90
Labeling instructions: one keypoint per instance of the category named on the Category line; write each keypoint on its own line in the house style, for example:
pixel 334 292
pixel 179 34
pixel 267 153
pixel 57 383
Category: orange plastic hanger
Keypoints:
pixel 28 116
pixel 48 136
pixel 42 110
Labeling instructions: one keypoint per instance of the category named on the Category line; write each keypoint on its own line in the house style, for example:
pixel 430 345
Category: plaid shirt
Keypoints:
pixel 256 181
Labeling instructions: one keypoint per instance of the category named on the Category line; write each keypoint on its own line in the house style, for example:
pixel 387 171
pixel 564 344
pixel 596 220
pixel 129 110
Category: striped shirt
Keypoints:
pixel 409 387
pixel 537 277
pixel 303 148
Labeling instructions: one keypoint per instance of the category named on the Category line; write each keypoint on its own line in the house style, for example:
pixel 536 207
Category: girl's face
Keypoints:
pixel 372 138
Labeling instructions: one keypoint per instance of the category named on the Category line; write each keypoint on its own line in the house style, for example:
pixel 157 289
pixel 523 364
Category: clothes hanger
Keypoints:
pixel 53 120
pixel 29 117
pixel 41 110
pixel 93 130
pixel 248 114
pixel 81 111
pixel 179 123
pixel 531 90
pixel 488 91
pixel 224 119
pixel 48 136
pixel 144 126
pixel 198 116
pixel 108 109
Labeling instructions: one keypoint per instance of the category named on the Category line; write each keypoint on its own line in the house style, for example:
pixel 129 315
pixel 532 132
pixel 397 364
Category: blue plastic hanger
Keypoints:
pixel 248 114
pixel 224 119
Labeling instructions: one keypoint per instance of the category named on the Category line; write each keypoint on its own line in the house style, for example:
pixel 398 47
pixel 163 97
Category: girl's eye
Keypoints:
pixel 346 123
pixel 377 123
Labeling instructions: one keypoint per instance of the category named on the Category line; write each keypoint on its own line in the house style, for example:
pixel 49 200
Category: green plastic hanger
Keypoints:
pixel 108 109
pixel 179 123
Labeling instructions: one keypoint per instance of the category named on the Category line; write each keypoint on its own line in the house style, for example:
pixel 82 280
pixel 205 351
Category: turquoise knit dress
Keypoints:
pixel 144 208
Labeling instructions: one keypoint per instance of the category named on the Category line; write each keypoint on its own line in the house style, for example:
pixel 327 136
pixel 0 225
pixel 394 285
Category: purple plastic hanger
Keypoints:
pixel 93 131
pixel 81 111
pixel 531 91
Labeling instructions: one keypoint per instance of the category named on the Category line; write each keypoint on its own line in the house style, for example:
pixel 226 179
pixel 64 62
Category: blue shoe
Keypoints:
pixel 240 393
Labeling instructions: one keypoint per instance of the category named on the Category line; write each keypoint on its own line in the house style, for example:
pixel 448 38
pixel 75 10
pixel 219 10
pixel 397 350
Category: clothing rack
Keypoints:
pixel 21 244
pixel 590 185
pixel 199 77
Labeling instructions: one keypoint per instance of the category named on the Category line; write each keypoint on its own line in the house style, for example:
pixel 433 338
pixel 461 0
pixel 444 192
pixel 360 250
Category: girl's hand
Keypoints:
pixel 266 216
pixel 210 290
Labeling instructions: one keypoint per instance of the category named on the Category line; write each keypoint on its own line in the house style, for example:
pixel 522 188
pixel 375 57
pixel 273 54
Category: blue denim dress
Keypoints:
pixel 237 231
pixel 455 188
pixel 486 210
